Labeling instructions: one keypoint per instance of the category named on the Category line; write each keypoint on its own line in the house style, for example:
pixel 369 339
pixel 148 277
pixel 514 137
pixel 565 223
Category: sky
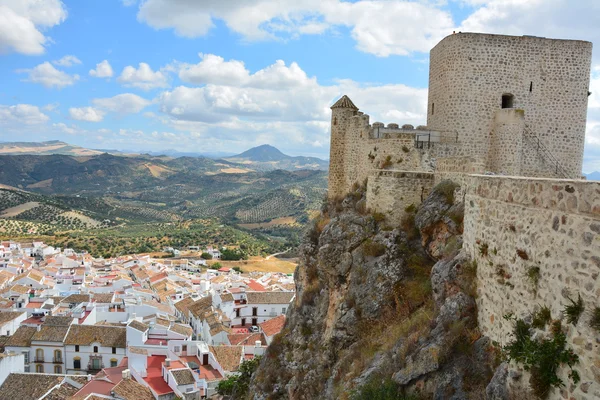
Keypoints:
pixel 212 76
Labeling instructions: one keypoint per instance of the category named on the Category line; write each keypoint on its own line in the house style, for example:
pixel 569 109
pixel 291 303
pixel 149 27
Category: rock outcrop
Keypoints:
pixel 375 310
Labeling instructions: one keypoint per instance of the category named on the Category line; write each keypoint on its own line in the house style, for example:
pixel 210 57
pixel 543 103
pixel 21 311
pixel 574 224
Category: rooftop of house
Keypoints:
pixel 103 382
pixel 48 333
pixel 107 336
pixel 102 297
pixel 245 339
pixel 183 376
pixel 182 329
pixel 8 316
pixel 129 389
pixel 137 325
pixel 273 326
pixel 229 357
pixel 269 297
pixel 32 386
pixel 154 377
pixel 55 320
pixel 22 337
pixel 76 299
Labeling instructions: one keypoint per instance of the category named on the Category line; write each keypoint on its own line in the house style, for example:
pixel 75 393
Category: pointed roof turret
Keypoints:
pixel 344 102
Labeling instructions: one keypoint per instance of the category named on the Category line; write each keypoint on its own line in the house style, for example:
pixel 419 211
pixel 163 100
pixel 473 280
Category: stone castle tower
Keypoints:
pixel 478 82
pixel 507 105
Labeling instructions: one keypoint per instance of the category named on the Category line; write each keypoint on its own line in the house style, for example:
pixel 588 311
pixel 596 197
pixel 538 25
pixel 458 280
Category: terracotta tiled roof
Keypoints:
pixel 107 336
pixel 229 357
pixel 64 391
pixel 52 320
pixel 225 297
pixel 103 297
pixel 201 307
pixel 137 325
pixel 28 386
pixel 246 339
pixel 76 299
pixel 9 316
pixel 273 326
pixel 22 337
pixel 129 389
pixel 182 329
pixel 269 297
pixel 184 304
pixel 51 333
pixel 183 376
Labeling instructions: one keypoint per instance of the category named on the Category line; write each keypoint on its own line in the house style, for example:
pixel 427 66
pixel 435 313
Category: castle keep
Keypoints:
pixel 508 105
pixel 506 119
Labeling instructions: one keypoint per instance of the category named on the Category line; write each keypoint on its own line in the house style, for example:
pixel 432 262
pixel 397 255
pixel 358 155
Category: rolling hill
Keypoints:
pixel 41 148
pixel 267 157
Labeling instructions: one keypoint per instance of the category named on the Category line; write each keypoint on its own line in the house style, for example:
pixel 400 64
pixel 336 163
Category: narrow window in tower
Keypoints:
pixel 432 108
pixel 531 86
pixel 335 120
pixel 507 101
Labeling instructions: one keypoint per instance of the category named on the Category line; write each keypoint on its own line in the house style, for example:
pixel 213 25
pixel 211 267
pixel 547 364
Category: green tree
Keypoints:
pixel 206 256
pixel 237 386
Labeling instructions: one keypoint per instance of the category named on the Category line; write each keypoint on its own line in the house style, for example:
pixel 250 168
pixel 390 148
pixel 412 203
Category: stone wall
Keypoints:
pixel 549 79
pixel 390 192
pixel 507 142
pixel 513 224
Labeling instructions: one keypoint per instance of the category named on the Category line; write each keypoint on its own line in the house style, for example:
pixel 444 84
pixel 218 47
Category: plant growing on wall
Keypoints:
pixel 573 311
pixel 595 320
pixel 542 356
pixel 533 275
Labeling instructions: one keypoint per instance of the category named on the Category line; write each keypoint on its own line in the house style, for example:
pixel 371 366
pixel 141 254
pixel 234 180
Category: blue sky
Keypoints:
pixel 226 75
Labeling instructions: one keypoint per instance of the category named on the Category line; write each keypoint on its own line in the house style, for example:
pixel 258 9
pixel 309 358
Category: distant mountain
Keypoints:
pixel 45 148
pixel 267 157
pixel 593 176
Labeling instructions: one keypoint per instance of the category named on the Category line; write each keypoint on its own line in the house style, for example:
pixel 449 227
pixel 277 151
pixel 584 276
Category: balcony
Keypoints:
pixel 57 360
pixel 38 359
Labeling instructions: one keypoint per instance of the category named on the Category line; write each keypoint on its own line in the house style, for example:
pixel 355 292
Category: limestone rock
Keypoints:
pixel 497 388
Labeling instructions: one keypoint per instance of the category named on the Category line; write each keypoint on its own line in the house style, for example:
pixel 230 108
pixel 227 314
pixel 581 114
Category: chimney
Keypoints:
pixel 39 327
pixel 167 362
pixel 257 343
pixel 126 374
pixel 89 377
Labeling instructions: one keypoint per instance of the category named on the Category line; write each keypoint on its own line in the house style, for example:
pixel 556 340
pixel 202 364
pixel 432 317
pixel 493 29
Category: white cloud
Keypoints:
pixel 102 70
pixel 67 61
pixel 88 114
pixel 551 18
pixel 22 23
pixel 126 103
pixel 143 77
pixel 242 109
pixel 71 130
pixel 22 114
pixel 45 74
pixel 214 69
pixel 380 27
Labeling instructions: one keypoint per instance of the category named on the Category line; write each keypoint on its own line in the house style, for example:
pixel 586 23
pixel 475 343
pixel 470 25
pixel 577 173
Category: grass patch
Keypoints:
pixel 595 319
pixel 373 249
pixel 573 311
pixel 541 318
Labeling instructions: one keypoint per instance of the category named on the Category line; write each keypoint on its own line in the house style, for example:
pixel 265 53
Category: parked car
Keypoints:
pixel 254 329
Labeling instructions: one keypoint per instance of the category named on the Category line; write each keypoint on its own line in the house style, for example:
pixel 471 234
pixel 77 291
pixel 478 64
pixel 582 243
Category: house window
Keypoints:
pixel 114 350
pixel 95 349
pixel 39 355
pixel 77 363
pixel 507 100
pixel 26 354
pixel 57 356
pixel 77 348
pixel 334 120
pixel 531 86
pixel 283 310
pixel 57 369
pixel 39 368
pixel 96 364
pixel 432 108
pixel 184 348
pixel 113 362
pixel 176 349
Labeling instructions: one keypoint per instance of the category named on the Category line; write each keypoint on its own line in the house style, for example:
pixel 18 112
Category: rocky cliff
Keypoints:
pixel 382 310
